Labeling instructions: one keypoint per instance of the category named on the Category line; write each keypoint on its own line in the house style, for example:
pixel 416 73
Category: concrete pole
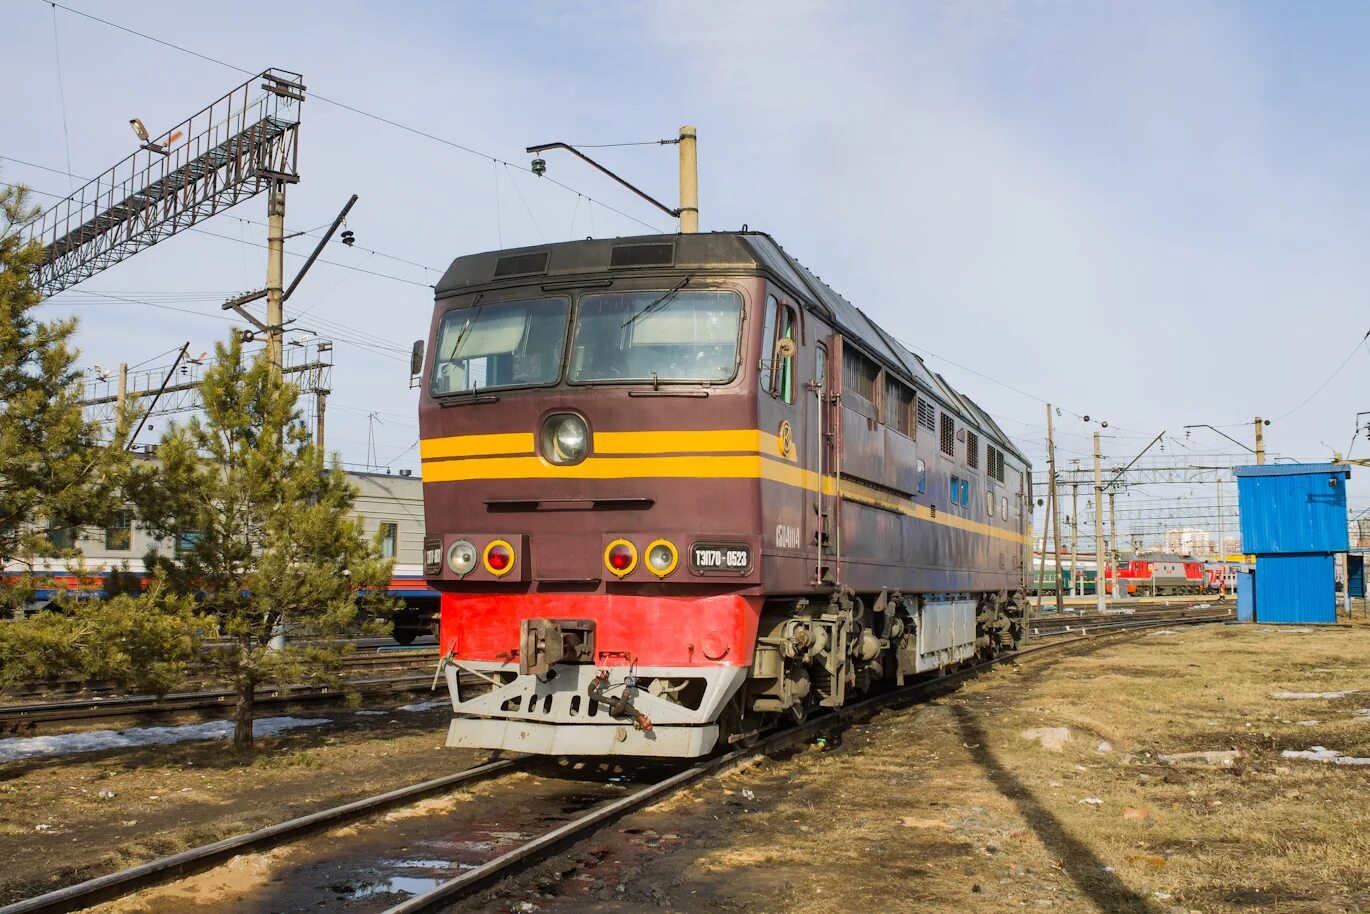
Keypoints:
pixel 1075 589
pixel 320 406
pixel 1040 565
pixel 122 393
pixel 275 275
pixel 1055 514
pixel 1113 540
pixel 689 182
pixel 1260 441
pixel 1222 547
pixel 1099 576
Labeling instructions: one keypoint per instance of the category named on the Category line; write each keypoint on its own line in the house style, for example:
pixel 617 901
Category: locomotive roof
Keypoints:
pixel 712 252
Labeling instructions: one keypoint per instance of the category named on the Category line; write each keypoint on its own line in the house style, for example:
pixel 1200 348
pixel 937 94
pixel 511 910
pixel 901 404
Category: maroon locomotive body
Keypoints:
pixel 678 491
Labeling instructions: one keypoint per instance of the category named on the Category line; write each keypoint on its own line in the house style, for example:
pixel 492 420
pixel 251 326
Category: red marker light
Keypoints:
pixel 499 558
pixel 620 557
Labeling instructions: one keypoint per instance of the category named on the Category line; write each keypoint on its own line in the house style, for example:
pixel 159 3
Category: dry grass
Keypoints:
pixel 944 807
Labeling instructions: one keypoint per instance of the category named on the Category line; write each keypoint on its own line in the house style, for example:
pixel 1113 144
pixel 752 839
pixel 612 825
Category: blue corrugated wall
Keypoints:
pixel 1297 588
pixel 1292 507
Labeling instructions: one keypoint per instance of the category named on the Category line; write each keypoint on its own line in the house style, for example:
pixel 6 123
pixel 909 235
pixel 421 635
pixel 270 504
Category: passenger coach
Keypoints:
pixel 677 491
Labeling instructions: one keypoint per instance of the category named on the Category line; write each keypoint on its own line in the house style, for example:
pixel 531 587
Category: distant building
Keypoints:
pixel 1190 541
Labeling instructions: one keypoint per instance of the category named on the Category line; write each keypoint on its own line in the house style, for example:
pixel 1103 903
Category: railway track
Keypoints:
pixel 574 814
pixel 1054 625
pixel 409 671
pixel 397 658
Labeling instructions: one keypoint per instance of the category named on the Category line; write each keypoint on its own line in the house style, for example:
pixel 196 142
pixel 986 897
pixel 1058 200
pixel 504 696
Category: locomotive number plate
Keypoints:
pixel 721 558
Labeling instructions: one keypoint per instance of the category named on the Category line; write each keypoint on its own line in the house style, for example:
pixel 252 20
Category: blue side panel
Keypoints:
pixel 1295 589
pixel 1246 597
pixel 1293 507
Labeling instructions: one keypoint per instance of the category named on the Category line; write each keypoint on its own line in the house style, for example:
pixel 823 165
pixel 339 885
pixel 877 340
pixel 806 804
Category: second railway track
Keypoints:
pixel 406 670
pixel 364 868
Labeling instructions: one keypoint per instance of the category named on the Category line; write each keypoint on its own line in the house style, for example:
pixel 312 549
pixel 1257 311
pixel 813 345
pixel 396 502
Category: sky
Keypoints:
pixel 1154 215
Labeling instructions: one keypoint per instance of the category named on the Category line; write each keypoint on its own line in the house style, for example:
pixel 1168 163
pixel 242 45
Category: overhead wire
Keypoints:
pixel 62 94
pixel 526 208
pixel 358 111
pixel 1361 343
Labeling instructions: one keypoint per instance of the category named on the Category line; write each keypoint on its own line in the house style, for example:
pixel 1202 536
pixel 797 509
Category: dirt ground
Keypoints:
pixel 948 806
pixel 56 828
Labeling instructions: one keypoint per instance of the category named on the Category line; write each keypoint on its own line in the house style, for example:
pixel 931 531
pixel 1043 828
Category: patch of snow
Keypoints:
pixel 1223 758
pixel 1053 739
pixel 373 713
pixel 1092 801
pixel 1306 723
pixel 1363 712
pixel 97 740
pixel 1166 631
pixel 1308 696
pixel 424 705
pixel 1323 754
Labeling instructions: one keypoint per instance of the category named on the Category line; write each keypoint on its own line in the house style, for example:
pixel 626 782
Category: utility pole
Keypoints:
pixel 122 393
pixel 1222 546
pixel 1075 589
pixel 1055 513
pixel 1113 543
pixel 275 275
pixel 1260 441
pixel 1040 567
pixel 320 405
pixel 689 182
pixel 1100 578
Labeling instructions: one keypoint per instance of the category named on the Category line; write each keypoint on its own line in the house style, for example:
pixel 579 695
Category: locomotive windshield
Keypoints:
pixel 670 335
pixel 504 344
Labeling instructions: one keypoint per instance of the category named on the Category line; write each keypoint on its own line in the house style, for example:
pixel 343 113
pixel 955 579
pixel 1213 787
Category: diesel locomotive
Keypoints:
pixel 678 491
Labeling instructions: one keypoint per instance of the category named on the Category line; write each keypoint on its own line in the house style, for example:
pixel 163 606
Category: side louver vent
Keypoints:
pixel 521 264
pixel 642 255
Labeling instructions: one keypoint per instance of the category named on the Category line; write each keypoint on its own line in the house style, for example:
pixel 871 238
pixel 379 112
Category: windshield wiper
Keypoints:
pixel 659 303
pixel 474 308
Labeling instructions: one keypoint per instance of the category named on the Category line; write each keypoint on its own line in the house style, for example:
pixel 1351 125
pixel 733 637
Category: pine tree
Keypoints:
pixel 53 469
pixel 265 538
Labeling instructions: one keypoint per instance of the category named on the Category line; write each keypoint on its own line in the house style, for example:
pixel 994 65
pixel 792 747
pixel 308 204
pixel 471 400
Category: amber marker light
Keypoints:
pixel 620 557
pixel 498 558
pixel 662 558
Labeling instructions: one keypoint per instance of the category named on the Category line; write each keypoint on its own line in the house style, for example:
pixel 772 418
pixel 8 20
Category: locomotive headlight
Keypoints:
pixel 461 558
pixel 565 439
pixel 662 558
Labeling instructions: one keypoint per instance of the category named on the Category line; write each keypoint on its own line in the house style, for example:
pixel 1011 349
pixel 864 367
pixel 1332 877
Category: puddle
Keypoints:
pixel 395 885
pixel 419 864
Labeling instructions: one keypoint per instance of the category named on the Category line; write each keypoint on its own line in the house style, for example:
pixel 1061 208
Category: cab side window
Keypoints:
pixel 777 370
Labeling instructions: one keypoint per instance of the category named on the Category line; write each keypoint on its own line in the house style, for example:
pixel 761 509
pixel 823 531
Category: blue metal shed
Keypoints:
pixel 1296 588
pixel 1292 507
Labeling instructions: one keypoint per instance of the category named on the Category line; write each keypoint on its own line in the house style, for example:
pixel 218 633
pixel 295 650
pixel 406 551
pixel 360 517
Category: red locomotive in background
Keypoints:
pixel 678 491
pixel 1161 575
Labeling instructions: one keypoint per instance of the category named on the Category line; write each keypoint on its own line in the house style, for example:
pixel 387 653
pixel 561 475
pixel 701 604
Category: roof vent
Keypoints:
pixel 521 264
pixel 642 255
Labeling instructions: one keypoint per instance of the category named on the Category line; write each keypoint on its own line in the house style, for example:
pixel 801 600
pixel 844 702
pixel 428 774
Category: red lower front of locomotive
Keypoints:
pixel 595 673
